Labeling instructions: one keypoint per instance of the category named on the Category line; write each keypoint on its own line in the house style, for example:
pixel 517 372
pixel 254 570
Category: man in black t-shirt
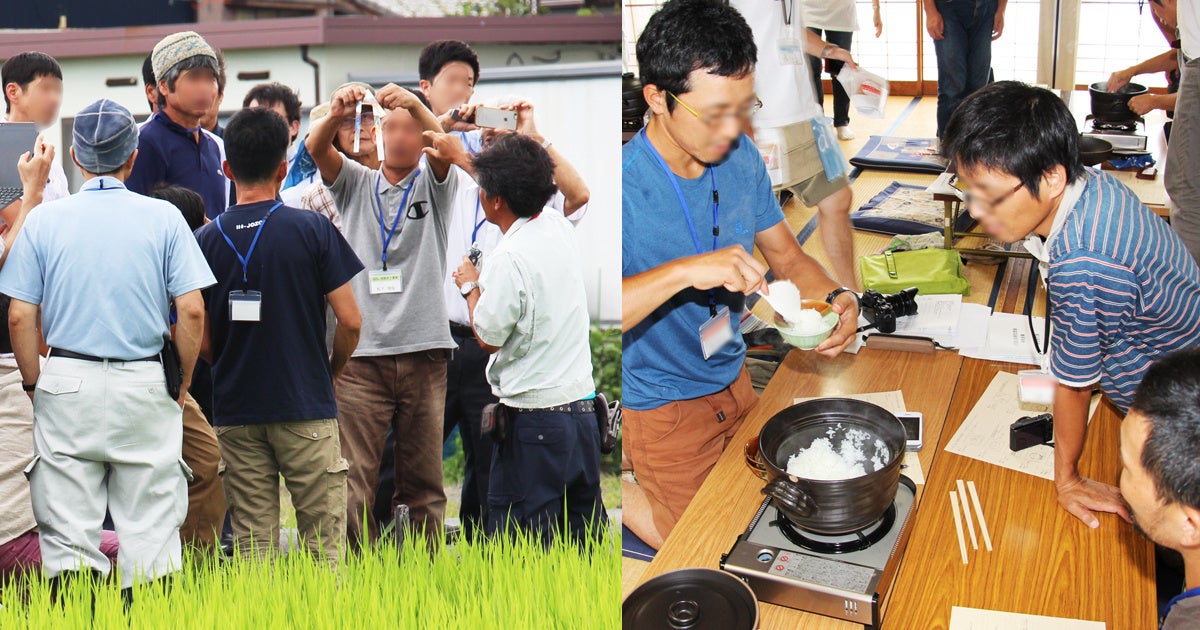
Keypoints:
pixel 273 404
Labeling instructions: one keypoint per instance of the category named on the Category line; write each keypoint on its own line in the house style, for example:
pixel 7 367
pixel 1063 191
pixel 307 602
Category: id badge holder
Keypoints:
pixel 245 306
pixel 791 43
pixel 715 333
pixel 386 281
pixel 1037 386
pixel 832 159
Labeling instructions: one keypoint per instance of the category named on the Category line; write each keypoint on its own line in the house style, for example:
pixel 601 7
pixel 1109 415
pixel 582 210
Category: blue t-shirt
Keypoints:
pixel 1123 290
pixel 662 360
pixel 104 264
pixel 276 369
pixel 169 153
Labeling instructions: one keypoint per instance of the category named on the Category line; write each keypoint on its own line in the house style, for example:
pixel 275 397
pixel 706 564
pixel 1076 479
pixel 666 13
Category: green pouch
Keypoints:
pixel 931 270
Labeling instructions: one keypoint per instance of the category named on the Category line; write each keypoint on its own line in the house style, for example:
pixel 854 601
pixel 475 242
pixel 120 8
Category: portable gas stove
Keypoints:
pixel 1125 136
pixel 843 576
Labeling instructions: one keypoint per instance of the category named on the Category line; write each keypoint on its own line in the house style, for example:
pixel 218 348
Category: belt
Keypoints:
pixel 67 354
pixel 458 330
pixel 579 406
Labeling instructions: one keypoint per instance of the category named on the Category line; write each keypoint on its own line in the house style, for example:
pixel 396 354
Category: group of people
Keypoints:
pixel 1123 288
pixel 217 307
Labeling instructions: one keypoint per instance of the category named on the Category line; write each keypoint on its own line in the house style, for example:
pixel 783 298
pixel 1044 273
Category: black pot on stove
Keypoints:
pixel 830 506
pixel 1113 107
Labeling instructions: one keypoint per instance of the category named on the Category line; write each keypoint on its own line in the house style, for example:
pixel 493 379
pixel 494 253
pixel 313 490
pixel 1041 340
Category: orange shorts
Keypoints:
pixel 672 448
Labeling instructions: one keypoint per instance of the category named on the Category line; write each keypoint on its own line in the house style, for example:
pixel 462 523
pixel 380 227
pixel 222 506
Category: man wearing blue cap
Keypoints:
pixel 107 434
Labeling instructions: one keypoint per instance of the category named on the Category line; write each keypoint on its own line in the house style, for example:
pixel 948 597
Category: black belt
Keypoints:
pixel 579 406
pixel 67 354
pixel 458 330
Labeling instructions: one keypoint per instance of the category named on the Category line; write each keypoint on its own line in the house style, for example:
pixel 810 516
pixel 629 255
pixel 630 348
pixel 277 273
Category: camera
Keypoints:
pixel 1031 431
pixel 882 310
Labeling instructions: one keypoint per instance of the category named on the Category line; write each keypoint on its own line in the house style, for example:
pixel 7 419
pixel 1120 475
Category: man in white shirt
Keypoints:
pixel 529 311
pixel 33 93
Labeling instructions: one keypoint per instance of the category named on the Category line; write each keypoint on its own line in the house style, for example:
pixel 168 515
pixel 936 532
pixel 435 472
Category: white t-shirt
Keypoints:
pixel 786 90
pixel 467 215
pixel 534 308
pixel 830 15
pixel 1189 28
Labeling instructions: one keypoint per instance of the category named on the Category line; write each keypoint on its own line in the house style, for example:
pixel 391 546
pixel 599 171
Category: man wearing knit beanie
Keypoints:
pixel 186 69
pixel 107 427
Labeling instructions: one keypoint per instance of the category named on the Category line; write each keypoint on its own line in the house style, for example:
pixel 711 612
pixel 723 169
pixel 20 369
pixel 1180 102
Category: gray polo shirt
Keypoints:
pixel 414 319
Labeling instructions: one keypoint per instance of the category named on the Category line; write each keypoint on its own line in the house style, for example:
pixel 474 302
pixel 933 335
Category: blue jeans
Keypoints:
pixel 545 478
pixel 964 54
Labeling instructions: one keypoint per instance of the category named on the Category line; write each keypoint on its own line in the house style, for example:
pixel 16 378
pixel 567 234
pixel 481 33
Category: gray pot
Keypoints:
pixel 830 506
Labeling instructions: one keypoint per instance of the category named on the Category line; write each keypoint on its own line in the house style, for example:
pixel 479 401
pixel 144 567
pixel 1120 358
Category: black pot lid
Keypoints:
pixel 691 599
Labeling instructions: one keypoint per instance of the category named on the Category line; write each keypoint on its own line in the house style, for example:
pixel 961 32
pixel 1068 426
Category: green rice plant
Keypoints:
pixel 503 583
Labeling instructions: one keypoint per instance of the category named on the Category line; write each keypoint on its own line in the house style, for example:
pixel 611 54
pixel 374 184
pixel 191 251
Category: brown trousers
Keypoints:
pixel 408 393
pixel 673 448
pixel 201 528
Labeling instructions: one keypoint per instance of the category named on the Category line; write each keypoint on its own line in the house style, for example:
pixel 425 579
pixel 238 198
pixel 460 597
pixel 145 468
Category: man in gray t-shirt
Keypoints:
pixel 395 218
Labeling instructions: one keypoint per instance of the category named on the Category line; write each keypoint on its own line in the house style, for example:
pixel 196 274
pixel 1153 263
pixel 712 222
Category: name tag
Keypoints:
pixel 716 332
pixel 389 281
pixel 1036 387
pixel 245 306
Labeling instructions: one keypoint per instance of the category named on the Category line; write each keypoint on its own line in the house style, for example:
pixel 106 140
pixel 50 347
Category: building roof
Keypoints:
pixel 318 31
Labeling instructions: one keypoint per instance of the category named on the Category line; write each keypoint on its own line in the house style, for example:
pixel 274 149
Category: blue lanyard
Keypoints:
pixel 475 232
pixel 716 210
pixel 245 260
pixel 1182 596
pixel 384 234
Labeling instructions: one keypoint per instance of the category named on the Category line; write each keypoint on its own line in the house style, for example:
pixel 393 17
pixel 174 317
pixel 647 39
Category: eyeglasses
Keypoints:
pixel 712 120
pixel 368 120
pixel 990 205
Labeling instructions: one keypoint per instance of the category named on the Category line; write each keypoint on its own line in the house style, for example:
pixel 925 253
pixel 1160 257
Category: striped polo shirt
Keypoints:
pixel 1123 290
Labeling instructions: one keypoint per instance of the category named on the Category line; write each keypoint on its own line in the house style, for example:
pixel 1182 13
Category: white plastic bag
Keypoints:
pixel 868 91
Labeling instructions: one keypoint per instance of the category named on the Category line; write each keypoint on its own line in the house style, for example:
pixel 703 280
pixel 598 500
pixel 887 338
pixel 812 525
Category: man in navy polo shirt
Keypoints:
pixel 275 413
pixel 172 146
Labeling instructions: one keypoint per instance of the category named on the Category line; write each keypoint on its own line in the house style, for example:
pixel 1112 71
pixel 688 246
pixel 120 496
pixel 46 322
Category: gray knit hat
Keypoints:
pixel 104 136
pixel 175 48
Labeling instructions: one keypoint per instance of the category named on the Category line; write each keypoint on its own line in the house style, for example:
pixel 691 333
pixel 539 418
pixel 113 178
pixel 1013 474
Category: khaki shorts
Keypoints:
pixel 672 448
pixel 793 162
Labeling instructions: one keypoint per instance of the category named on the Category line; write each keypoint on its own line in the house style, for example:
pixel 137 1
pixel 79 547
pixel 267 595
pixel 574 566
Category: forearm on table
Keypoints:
pixel 1070 430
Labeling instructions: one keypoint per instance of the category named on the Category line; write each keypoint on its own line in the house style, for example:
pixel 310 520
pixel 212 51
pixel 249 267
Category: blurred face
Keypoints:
pixel 38 102
pixel 1004 207
pixel 1151 515
pixel 402 141
pixel 453 85
pixel 708 118
pixel 195 92
pixel 366 142
pixel 209 120
pixel 1166 13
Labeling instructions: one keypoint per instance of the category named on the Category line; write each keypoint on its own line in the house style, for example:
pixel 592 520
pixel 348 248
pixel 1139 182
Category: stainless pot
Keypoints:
pixel 830 506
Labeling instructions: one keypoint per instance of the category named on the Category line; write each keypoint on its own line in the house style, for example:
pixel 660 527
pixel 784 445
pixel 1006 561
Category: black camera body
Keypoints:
pixel 1031 431
pixel 882 310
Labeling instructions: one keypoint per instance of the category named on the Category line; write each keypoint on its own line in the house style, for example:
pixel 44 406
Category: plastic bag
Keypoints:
pixel 868 91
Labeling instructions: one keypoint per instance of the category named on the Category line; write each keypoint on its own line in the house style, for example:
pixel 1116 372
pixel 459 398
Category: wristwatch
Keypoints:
pixel 28 388
pixel 467 288
pixel 840 290
pixel 827 50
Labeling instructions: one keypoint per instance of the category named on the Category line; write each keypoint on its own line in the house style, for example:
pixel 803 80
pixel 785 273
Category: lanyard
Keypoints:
pixel 716 210
pixel 384 235
pixel 1182 596
pixel 1039 348
pixel 245 260
pixel 478 224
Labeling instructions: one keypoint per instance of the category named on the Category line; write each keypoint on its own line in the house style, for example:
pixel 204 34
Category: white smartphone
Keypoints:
pixel 495 118
pixel 914 429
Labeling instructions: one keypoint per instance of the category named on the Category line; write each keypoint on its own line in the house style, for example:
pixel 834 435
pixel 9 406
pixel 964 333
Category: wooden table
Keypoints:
pixel 1044 561
pixel 1103 574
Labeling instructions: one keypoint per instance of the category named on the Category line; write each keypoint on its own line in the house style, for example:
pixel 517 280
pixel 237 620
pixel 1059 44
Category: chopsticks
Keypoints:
pixel 960 505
